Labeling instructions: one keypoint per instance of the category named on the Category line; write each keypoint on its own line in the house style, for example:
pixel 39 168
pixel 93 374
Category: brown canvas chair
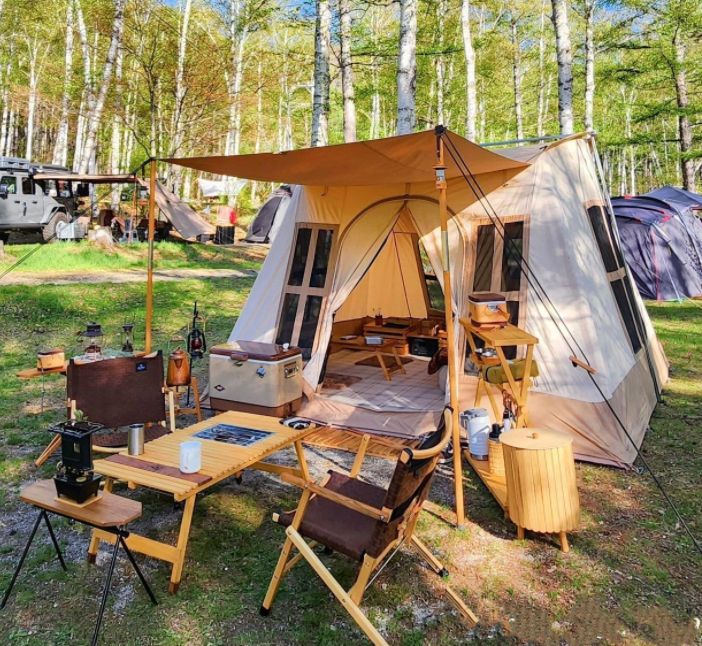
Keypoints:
pixel 117 392
pixel 364 522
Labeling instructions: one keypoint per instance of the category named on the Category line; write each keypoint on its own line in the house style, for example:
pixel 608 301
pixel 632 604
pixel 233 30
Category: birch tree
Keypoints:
pixel 347 87
pixel 469 51
pixel 588 15
pixel 687 165
pixel 60 155
pixel 564 59
pixel 180 90
pixel 33 45
pixel 97 103
pixel 407 68
pixel 320 98
pixel 238 34
pixel 542 88
pixel 516 76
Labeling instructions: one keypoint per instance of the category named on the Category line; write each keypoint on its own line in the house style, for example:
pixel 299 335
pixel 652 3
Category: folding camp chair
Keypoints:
pixel 117 392
pixel 364 522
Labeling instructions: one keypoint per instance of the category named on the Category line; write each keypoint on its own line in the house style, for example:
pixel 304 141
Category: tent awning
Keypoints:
pixel 395 160
pixel 88 179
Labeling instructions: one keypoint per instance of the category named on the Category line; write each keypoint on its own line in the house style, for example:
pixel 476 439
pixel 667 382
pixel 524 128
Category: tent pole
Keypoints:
pixel 150 258
pixel 440 169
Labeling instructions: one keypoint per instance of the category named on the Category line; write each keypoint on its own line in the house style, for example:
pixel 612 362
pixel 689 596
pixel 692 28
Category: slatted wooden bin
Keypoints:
pixel 542 494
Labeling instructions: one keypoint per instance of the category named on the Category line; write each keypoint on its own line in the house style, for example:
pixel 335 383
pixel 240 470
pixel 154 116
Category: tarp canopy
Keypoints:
pixel 394 160
pixel 87 179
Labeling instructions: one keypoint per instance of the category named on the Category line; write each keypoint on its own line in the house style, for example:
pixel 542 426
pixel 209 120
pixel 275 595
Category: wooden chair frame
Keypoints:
pixel 351 599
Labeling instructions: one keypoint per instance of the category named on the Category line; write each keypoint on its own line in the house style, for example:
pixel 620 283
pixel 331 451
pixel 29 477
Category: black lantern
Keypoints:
pixel 74 478
pixel 128 338
pixel 94 337
pixel 197 344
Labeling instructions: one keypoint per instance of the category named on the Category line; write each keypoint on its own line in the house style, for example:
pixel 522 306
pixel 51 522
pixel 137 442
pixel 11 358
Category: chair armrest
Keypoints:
pixel 340 499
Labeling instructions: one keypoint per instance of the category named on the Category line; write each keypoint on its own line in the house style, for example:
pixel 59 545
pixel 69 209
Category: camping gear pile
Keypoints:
pixel 661 238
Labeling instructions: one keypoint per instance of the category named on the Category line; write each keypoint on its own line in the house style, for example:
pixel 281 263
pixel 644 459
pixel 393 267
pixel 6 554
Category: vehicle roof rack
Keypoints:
pixel 18 163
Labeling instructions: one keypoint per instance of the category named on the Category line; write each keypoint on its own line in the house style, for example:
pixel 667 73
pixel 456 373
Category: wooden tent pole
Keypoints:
pixel 150 259
pixel 440 169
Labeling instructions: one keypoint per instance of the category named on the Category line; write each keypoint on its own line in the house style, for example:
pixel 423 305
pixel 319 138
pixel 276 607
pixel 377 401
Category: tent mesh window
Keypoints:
pixel 434 292
pixel 616 273
pixel 309 277
pixel 498 265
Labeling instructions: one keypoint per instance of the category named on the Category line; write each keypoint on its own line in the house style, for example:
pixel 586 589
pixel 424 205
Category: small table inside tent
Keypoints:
pixel 387 347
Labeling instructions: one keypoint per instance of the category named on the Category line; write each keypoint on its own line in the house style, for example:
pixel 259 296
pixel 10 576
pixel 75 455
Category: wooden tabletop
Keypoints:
pixel 110 511
pixel 501 336
pixel 219 459
pixel 31 373
pixel 359 343
pixel 535 439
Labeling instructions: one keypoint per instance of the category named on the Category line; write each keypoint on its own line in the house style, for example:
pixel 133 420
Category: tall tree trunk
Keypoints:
pixel 320 99
pixel 589 64
pixel 60 156
pixel 541 101
pixel 33 47
pixel 347 88
pixel 564 58
pixel 469 51
pixel 517 77
pixel 115 147
pixel 180 91
pixel 259 123
pixel 687 166
pixel 95 114
pixel 440 62
pixel 4 124
pixel 238 33
pixel 407 68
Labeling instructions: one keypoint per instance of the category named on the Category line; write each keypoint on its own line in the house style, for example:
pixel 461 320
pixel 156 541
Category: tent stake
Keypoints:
pixel 150 259
pixel 440 169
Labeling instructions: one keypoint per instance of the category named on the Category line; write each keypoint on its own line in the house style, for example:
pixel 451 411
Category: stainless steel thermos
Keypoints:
pixel 135 439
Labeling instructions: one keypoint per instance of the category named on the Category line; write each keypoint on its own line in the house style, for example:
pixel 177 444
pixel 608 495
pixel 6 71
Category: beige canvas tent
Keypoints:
pixel 362 235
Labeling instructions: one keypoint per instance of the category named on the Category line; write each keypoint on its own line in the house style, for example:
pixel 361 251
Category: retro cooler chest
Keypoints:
pixel 256 377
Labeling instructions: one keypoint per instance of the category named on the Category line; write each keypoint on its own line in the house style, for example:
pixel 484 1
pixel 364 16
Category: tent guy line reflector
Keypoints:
pixel 494 217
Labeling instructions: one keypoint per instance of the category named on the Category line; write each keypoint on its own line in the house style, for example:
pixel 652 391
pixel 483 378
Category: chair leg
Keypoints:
pixel 359 587
pixel 425 552
pixel 278 574
pixel 352 608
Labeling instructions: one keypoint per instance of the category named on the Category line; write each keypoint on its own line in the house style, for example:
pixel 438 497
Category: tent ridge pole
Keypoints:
pixel 440 170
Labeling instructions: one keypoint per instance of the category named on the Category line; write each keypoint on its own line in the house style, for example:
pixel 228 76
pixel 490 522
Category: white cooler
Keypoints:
pixel 254 377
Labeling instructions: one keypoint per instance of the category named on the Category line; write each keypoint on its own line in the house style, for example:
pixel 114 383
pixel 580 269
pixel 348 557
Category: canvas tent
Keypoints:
pixel 362 235
pixel 662 243
pixel 266 222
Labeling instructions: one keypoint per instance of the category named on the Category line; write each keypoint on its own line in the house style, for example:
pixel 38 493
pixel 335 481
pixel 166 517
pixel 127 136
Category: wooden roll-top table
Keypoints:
pixel 542 494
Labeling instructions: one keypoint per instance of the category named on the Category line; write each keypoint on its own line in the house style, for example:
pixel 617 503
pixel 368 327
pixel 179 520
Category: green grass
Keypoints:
pixel 83 256
pixel 631 576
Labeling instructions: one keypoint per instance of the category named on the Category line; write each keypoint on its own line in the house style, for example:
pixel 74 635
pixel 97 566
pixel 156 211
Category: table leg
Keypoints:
pixel 526 384
pixel 381 361
pixel 398 361
pixel 137 569
pixel 520 533
pixel 21 561
pixel 105 592
pixel 182 544
pixel 94 544
pixel 300 451
pixel 54 541
pixel 171 410
pixel 563 537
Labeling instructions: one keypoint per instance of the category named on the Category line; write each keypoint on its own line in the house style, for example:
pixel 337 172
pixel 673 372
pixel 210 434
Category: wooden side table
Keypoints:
pixel 110 513
pixel 542 494
pixel 388 346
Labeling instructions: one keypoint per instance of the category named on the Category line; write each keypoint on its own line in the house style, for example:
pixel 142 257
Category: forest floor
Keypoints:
pixel 632 576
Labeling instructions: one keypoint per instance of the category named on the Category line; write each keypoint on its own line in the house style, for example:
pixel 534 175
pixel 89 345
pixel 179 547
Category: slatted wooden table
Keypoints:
pixel 388 346
pixel 157 468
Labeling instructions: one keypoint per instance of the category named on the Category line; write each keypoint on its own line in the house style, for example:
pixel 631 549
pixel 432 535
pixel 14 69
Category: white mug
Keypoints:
pixel 190 456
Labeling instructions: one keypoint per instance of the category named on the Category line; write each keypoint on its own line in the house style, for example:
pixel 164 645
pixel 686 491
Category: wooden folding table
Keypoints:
pixel 158 468
pixel 388 346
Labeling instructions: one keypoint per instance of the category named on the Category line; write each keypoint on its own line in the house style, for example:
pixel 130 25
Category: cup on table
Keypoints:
pixel 190 456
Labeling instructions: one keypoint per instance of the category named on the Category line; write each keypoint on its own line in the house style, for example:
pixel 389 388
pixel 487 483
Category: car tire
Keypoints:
pixel 59 219
pixel 4 237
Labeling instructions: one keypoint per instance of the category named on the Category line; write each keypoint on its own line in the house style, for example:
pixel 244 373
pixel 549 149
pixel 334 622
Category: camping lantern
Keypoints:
pixel 74 478
pixel 128 337
pixel 94 336
pixel 197 344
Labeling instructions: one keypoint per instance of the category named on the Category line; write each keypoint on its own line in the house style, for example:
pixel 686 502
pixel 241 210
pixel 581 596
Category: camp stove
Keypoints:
pixel 74 478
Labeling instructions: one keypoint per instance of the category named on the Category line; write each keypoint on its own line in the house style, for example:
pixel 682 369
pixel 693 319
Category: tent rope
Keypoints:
pixel 476 188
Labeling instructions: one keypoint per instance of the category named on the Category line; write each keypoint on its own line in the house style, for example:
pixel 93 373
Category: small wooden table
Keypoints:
pixel 111 514
pixel 500 338
pixel 158 468
pixel 388 347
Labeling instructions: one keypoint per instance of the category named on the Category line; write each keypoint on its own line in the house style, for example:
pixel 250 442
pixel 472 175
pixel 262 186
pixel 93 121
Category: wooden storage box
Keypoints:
pixel 51 359
pixel 254 377
pixel 488 308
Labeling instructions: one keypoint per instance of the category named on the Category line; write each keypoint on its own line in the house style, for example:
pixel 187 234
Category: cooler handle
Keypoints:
pixel 239 357
pixel 290 369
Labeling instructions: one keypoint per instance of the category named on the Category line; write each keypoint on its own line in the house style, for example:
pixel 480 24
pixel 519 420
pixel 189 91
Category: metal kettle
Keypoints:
pixel 178 373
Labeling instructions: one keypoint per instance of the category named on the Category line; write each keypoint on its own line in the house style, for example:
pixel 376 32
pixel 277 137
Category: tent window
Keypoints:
pixel 482 278
pixel 616 273
pixel 511 254
pixel 309 277
pixel 434 292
